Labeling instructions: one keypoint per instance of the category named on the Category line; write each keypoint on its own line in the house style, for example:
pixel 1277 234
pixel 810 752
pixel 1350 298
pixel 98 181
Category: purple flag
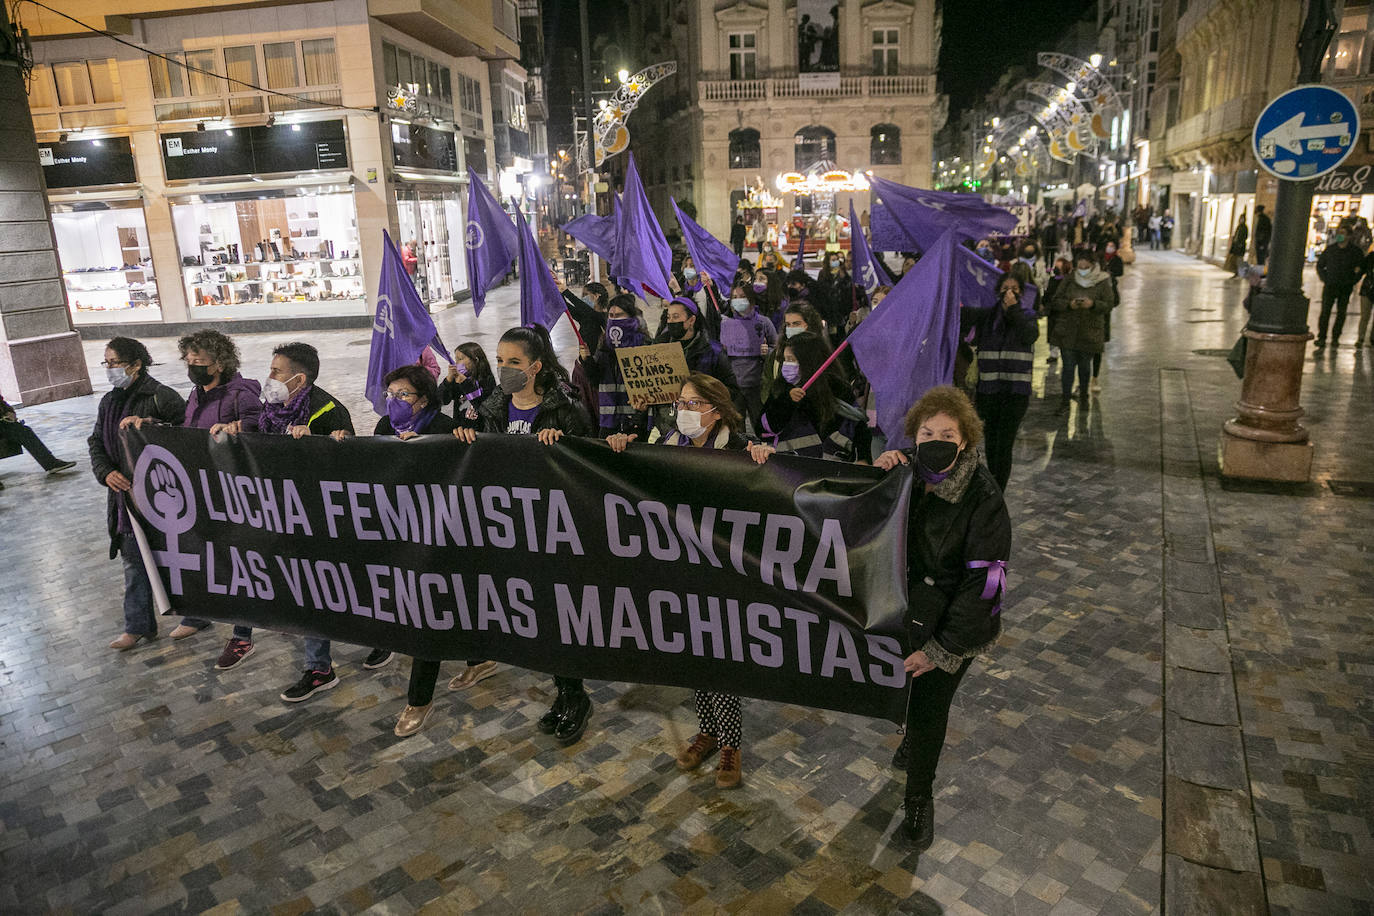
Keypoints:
pixel 540 300
pixel 1080 209
pixel 711 256
pixel 868 270
pixel 907 345
pixel 401 328
pixel 596 232
pixel 975 282
pixel 645 258
pixel 905 219
pixel 490 243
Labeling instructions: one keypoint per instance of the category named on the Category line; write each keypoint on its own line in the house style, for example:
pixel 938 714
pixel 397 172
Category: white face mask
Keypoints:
pixel 275 392
pixel 793 332
pixel 689 423
pixel 118 377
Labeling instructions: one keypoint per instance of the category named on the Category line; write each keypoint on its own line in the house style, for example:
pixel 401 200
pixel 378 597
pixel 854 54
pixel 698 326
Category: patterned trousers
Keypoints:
pixel 718 715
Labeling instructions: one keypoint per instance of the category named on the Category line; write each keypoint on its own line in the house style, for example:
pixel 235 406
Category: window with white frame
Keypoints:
pixel 506 14
pixel 743 55
pixel 76 94
pixel 886 51
pixel 214 82
pixel 515 107
pixel 432 83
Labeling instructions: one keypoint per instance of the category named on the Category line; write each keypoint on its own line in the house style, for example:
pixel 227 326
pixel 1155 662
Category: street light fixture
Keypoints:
pixel 1095 60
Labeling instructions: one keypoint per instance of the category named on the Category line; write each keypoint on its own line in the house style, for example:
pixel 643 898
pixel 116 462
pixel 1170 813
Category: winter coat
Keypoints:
pixel 1084 330
pixel 234 398
pixel 145 397
pixel 1338 266
pixel 958 542
pixel 1004 339
pixel 557 411
pixel 708 356
pixel 327 415
pixel 743 338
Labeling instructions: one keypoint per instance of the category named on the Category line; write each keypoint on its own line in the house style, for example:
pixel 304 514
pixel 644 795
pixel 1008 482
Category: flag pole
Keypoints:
pixel 580 342
pixel 825 365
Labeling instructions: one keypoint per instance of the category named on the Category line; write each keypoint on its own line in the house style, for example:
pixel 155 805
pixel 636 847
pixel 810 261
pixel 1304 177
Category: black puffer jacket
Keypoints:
pixel 962 521
pixel 146 397
pixel 558 411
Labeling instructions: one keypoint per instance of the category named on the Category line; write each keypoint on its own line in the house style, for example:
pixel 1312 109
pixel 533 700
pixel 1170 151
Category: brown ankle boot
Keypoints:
pixel 702 746
pixel 729 771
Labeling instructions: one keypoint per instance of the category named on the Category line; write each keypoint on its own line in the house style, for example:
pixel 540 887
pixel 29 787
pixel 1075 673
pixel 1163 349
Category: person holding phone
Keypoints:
pixel 1080 306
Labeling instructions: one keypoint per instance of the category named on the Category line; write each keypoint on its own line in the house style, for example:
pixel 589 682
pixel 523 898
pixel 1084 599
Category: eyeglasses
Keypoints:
pixel 402 395
pixel 113 363
pixel 694 404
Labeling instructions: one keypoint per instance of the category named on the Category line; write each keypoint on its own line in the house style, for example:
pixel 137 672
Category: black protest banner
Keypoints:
pixel 659 565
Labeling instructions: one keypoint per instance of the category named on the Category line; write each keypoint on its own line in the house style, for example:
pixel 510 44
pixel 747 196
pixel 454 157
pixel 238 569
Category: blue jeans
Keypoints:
pixel 317 657
pixel 1080 360
pixel 139 619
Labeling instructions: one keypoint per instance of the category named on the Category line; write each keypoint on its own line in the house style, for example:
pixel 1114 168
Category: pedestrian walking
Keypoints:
pixel 1240 243
pixel 1156 221
pixel 134 393
pixel 1338 267
pixel 1264 232
pixel 1004 336
pixel 1080 305
pixel 958 544
pixel 738 232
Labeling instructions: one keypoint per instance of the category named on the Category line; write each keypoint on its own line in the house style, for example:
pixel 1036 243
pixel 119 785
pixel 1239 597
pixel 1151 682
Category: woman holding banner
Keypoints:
pixel 530 400
pixel 958 542
pixel 707 419
pixel 412 410
pixel 135 393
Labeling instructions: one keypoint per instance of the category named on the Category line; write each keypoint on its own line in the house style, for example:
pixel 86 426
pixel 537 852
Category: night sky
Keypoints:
pixel 984 37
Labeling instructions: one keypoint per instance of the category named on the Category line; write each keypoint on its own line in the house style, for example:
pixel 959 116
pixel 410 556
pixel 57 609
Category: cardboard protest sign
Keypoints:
pixel 655 372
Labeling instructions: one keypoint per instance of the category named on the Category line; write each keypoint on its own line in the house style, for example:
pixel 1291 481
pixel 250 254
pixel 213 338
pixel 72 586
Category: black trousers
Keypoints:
pixel 19 434
pixel 1002 415
pixel 424 674
pixel 1338 296
pixel 927 717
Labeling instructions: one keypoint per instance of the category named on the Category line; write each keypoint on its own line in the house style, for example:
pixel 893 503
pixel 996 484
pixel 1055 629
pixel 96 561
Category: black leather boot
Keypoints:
pixel 918 823
pixel 549 721
pixel 903 753
pixel 577 710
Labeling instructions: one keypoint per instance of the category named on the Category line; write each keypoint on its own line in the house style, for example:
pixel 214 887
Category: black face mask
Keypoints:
pixel 675 331
pixel 934 458
pixel 200 376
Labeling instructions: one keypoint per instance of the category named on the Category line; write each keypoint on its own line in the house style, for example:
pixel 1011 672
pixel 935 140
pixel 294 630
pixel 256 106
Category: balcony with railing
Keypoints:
pixel 790 86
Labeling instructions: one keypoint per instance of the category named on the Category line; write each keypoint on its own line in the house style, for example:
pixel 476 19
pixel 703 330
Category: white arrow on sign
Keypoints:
pixel 1291 133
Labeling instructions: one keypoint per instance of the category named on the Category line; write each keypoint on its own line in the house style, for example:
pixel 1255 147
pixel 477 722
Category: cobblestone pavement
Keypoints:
pixel 148 782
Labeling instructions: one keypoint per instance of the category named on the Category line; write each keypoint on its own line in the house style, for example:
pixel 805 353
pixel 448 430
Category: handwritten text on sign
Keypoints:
pixel 655 372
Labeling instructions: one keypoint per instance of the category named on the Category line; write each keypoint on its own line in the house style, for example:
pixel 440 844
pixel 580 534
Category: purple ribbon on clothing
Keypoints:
pixel 768 432
pixel 996 583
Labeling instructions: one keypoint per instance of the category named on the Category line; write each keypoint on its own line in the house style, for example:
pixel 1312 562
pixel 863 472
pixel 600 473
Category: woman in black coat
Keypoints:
pixel 958 542
pixel 530 399
pixel 135 394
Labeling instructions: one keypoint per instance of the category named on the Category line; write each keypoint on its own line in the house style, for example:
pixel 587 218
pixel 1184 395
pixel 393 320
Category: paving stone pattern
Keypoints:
pixel 147 782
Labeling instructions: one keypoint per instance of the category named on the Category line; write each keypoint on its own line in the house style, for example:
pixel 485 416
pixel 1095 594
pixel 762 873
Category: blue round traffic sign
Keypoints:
pixel 1305 133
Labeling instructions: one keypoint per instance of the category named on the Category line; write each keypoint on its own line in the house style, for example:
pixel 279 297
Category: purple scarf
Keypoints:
pixel 109 437
pixel 278 418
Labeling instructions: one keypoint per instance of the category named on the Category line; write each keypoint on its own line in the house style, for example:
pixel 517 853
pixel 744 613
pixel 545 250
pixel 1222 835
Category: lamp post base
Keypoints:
pixel 1265 441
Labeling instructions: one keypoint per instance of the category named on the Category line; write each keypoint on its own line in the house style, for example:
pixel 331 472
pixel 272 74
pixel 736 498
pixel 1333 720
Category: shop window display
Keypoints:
pixel 107 266
pixel 246 254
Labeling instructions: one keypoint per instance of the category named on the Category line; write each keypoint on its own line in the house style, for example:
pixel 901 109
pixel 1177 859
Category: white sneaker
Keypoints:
pixel 1095 386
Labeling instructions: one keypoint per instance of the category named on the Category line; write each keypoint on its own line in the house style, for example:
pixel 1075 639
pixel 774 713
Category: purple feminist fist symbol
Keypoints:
pixel 162 492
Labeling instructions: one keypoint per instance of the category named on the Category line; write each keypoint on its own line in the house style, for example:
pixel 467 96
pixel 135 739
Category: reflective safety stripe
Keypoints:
pixel 1004 376
pixel 319 413
pixel 610 410
pixel 796 445
pixel 1022 355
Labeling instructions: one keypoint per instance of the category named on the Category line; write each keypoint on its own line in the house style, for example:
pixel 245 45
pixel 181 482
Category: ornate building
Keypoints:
pixel 768 87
